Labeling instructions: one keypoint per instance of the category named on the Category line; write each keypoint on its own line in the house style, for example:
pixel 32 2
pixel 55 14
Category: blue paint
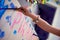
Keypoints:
pixel 2 6
pixel 31 26
pixel 12 5
pixel 14 32
pixel 27 19
pixel 9 0
pixel 2 2
pixel 8 18
pixel 2 33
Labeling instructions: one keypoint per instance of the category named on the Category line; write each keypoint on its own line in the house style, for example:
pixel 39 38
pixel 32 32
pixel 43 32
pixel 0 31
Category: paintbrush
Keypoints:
pixel 9 8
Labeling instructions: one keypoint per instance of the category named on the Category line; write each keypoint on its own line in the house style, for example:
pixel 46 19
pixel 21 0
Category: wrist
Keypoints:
pixel 33 16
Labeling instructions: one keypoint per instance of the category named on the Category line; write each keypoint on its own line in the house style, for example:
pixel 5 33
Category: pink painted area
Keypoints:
pixel 28 33
pixel 15 19
pixel 23 31
pixel 22 26
pixel 29 30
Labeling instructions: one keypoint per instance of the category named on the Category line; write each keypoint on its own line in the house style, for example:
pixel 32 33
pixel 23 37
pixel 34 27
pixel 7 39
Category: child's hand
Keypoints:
pixel 24 11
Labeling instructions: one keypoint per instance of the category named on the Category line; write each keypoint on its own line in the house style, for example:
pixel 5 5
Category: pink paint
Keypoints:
pixel 21 29
pixel 15 19
pixel 29 31
pixel 21 26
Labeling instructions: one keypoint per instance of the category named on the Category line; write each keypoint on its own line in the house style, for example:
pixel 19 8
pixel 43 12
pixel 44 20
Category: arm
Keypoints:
pixel 41 23
pixel 45 26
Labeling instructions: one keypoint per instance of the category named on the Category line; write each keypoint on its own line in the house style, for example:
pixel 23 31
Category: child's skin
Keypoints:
pixel 41 23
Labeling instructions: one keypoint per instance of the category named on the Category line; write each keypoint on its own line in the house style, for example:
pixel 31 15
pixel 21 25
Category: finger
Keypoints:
pixel 23 9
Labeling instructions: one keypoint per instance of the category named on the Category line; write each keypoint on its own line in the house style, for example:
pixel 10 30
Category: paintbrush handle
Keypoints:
pixel 9 8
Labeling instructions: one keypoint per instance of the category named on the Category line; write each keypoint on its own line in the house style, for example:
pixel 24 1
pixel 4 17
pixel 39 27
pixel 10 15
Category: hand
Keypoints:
pixel 24 11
